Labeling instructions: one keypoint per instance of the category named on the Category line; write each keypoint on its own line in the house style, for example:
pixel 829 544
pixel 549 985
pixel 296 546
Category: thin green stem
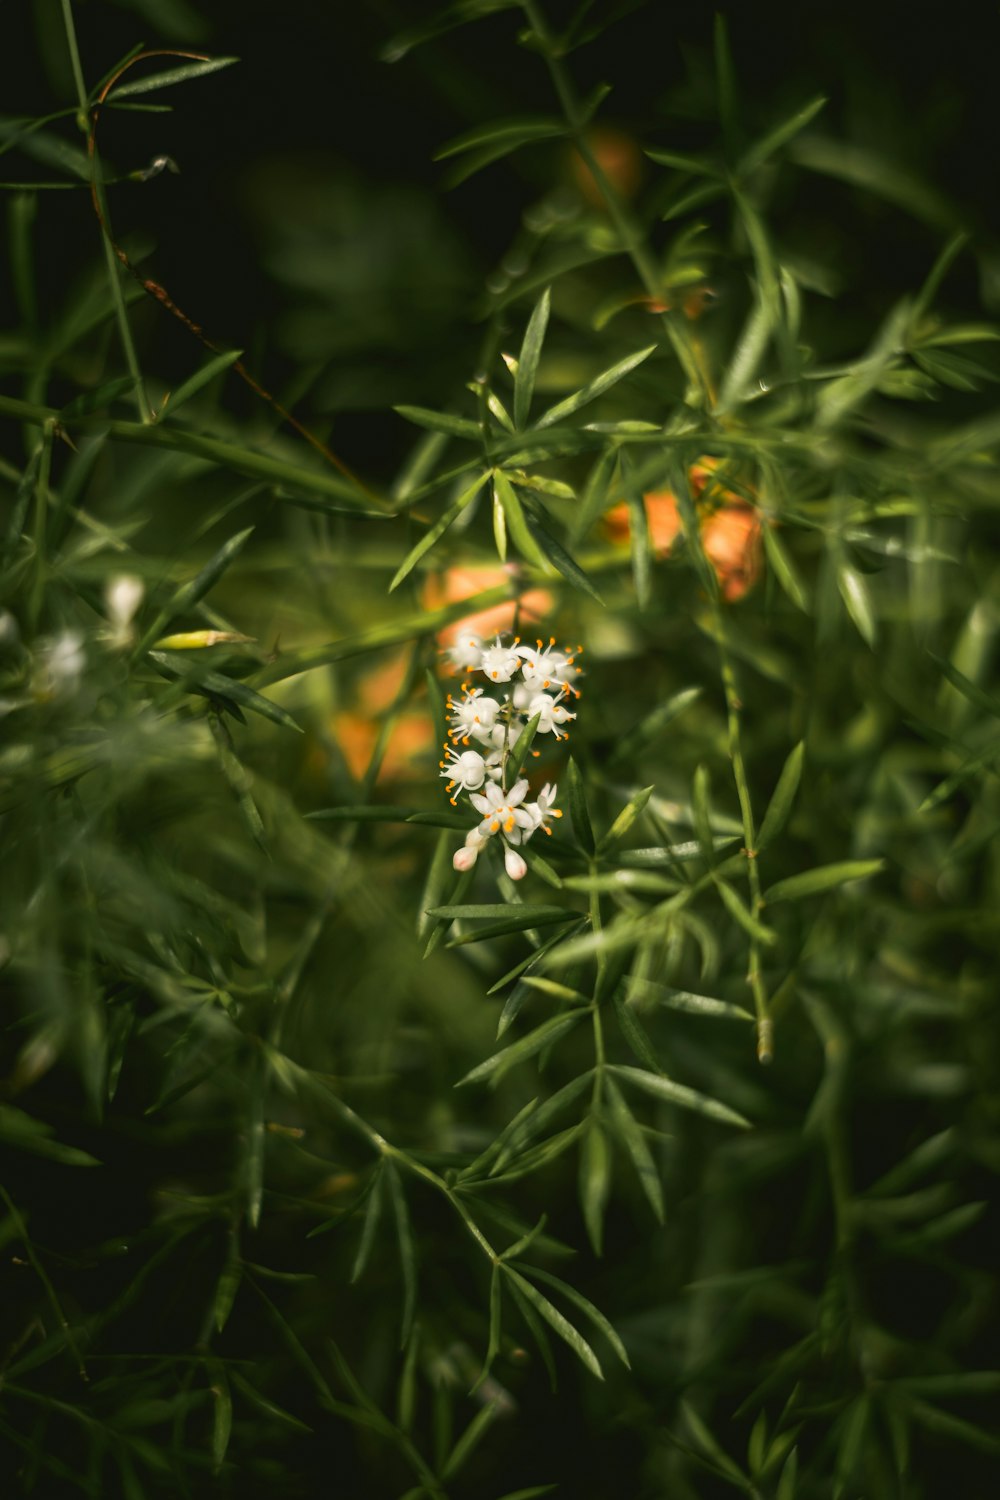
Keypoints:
pixel 755 979
pixel 41 520
pixel 114 273
pixel 630 233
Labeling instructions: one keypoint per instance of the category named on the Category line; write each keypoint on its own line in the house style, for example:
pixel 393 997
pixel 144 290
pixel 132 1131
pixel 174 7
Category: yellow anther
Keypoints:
pixel 508 825
pixel 494 827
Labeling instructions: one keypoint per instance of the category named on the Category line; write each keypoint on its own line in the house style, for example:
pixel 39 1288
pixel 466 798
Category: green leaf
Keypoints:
pixel 198 381
pixel 516 523
pixel 635 1035
pixel 222 1413
pixel 458 13
pixel 783 567
pixel 407 1251
pixel 216 684
pixel 681 161
pixel 98 399
pixel 545 1035
pixel 780 805
pixel 684 1000
pixel 520 749
pixel 780 135
pixel 629 1133
pixel 967 687
pixel 640 735
pixel 595 388
pixel 854 592
pixel 622 825
pixel 469 1439
pixel 823 878
pixel 441 525
pixel 594 1181
pixel 738 909
pixel 593 1314
pixel 595 495
pixel 440 421
pixel 531 915
pixel 171 76
pixel 555 1319
pixel 506 135
pixel 499 526
pixel 22 1131
pixel 578 807
pixel 370 1223
pixel 527 364
pixel 557 555
pixel 191 593
pixel 679 1094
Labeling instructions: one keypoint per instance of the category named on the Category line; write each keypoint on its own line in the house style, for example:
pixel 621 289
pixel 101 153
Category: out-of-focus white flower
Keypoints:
pixel 123 593
pixel 466 654
pixel 9 633
pixel 61 663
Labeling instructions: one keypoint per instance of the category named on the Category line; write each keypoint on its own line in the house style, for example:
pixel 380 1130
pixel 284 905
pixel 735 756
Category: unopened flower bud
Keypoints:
pixel 514 864
pixel 464 858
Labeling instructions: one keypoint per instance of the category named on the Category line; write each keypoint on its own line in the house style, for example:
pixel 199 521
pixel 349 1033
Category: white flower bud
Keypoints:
pixel 122 597
pixel 464 858
pixel 514 864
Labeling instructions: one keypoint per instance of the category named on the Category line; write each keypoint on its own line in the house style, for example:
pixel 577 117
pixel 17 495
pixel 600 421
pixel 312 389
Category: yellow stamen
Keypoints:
pixel 508 825
pixel 494 827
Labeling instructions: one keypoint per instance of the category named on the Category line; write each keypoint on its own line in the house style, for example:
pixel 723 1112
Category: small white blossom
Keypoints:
pixel 473 717
pixel 467 770
pixel 500 662
pixel 467 653
pixel 551 714
pixel 122 597
pixel 502 810
pixel 543 668
pixel 540 811
pixel 61 665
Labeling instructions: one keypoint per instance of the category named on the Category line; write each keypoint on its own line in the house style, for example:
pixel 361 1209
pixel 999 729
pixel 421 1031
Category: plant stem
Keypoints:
pixel 629 231
pixel 755 979
pixel 114 275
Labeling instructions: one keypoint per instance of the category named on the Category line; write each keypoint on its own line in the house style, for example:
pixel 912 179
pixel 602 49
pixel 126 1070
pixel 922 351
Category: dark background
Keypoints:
pixel 314 141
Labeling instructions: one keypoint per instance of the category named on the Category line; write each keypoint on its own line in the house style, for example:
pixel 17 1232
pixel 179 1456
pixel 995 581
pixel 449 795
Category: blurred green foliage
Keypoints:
pixel 669 1171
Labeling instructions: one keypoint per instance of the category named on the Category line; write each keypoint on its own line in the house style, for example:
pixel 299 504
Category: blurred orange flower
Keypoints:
pixel 464 582
pixel 619 158
pixel 730 535
pixel 410 743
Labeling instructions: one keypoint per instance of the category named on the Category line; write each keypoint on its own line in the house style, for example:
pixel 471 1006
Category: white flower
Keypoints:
pixel 500 662
pixel 467 652
pixel 502 810
pixel 473 717
pixel 466 771
pixel 541 810
pixel 122 597
pixel 551 714
pixel 61 665
pixel 543 668
pixel 514 864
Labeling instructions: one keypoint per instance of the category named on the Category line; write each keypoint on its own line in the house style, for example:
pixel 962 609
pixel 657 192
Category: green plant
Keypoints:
pixel 254 1232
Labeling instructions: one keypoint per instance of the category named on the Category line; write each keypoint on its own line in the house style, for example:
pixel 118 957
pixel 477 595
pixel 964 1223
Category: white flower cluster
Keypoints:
pixel 541 679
